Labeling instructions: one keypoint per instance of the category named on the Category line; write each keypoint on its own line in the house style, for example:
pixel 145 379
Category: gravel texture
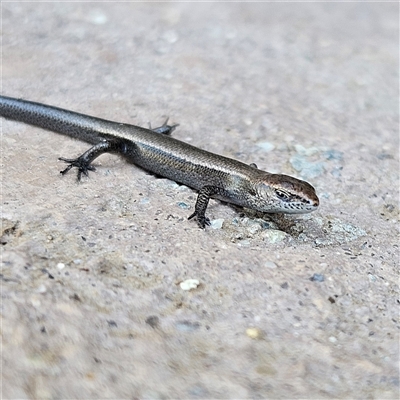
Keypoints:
pixel 285 306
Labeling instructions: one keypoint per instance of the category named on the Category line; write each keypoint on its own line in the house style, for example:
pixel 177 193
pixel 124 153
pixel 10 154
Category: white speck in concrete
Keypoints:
pixel 305 151
pixel 97 17
pixel 35 302
pixel 254 333
pixel 170 36
pixel 217 223
pixel 248 121
pixel 266 146
pixel 274 236
pixel 270 264
pixel 189 284
pixel 41 289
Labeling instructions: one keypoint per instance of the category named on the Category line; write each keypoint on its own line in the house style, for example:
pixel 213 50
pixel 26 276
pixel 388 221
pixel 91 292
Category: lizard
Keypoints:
pixel 155 150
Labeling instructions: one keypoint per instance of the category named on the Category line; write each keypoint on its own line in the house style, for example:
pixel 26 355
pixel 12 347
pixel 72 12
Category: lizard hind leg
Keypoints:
pixel 164 129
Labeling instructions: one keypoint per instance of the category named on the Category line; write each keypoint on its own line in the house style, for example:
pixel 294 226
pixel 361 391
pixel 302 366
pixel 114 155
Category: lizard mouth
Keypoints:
pixel 301 207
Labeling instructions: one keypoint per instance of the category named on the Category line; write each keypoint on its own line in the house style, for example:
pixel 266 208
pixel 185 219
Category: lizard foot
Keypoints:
pixel 202 220
pixel 80 163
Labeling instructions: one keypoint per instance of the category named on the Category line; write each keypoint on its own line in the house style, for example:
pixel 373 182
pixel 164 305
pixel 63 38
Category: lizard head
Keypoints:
pixel 278 193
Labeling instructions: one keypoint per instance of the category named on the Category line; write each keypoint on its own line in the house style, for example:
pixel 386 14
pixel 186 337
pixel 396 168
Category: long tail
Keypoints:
pixel 83 127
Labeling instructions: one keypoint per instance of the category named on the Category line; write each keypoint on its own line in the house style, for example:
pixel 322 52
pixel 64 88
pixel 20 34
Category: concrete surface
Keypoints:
pixel 292 307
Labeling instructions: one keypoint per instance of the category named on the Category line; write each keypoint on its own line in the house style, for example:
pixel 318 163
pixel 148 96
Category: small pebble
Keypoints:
pixel 60 265
pixel 247 121
pixel 187 326
pixel 254 333
pixel 170 36
pixel 307 151
pixel 112 324
pixel 307 169
pixel 35 302
pixel 254 228
pixel 41 289
pixel 284 285
pixel 183 205
pixel 273 235
pixel 266 146
pixel 270 264
pixel 333 154
pixel 153 321
pixel 217 223
pixel 189 284
pixel 317 278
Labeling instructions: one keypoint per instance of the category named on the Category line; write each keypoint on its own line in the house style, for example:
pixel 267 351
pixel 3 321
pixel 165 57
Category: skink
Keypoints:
pixel 212 175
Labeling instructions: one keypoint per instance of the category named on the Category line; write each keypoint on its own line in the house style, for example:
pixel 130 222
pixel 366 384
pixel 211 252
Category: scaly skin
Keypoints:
pixel 154 150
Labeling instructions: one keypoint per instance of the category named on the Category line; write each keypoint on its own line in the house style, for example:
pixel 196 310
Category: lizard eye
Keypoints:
pixel 282 195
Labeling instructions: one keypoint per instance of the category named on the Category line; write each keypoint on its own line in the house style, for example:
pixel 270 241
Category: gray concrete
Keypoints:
pixel 91 300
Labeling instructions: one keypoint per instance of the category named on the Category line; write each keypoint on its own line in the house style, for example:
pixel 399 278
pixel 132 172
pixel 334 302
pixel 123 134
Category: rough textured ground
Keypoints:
pixel 293 307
